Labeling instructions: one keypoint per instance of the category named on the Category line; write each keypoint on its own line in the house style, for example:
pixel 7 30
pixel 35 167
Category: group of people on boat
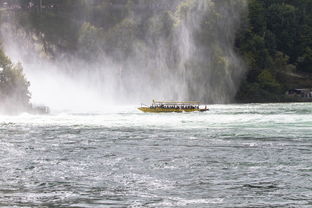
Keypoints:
pixel 170 106
pixel 174 106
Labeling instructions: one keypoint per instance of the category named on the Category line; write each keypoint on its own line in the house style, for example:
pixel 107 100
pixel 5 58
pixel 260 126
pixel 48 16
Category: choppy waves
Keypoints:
pixel 256 155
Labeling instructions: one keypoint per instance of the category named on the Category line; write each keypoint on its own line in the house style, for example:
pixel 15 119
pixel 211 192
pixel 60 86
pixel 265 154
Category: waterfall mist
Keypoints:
pixel 156 49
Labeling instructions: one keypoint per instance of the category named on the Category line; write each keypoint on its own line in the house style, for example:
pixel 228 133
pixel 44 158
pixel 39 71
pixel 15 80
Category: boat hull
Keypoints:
pixel 168 110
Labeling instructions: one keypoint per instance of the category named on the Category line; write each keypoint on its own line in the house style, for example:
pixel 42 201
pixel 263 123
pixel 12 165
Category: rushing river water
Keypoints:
pixel 255 155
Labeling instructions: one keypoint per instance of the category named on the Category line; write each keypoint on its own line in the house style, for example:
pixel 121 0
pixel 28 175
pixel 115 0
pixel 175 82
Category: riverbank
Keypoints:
pixel 275 87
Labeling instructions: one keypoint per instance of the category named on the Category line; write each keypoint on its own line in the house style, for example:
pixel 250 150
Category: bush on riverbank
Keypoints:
pixel 14 91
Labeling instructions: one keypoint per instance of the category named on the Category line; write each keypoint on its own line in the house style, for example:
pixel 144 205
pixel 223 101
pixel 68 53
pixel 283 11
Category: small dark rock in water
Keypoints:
pixel 42 109
pixel 15 110
pixel 261 186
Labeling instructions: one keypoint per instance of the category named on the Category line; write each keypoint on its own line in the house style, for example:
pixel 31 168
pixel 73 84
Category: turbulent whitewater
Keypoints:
pixel 255 155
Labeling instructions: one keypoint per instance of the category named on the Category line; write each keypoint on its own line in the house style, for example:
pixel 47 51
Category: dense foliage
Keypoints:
pixel 13 86
pixel 277 47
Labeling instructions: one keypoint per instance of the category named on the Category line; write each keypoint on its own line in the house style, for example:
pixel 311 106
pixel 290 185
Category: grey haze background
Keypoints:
pixel 158 49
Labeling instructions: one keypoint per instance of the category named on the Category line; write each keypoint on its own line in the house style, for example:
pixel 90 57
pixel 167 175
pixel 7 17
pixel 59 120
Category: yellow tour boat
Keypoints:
pixel 172 106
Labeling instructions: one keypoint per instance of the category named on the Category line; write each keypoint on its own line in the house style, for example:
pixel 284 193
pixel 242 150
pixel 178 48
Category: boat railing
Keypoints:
pixel 176 103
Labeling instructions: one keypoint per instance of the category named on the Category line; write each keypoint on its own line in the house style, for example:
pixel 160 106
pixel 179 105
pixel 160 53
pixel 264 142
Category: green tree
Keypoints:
pixel 267 81
pixel 257 16
pixel 14 91
pixel 305 61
